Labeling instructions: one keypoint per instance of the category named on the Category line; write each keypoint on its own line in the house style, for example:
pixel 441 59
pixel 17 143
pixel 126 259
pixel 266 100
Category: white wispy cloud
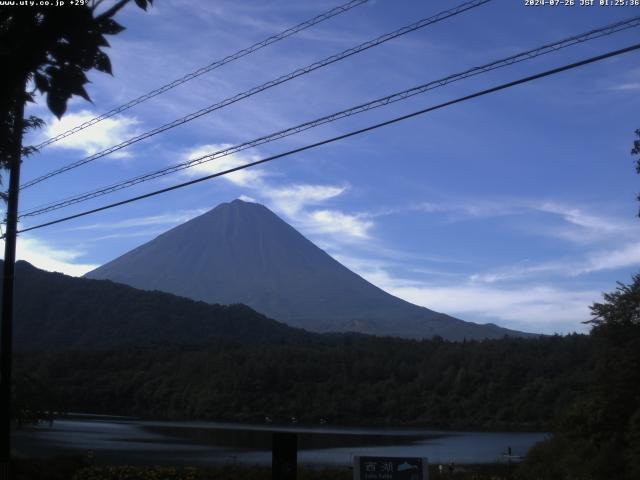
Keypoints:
pixel 290 199
pixel 296 201
pixel 579 217
pixel 168 218
pixel 299 202
pixel 625 256
pixel 249 177
pixel 144 233
pixel 104 134
pixel 631 86
pixel 613 258
pixel 336 222
pixel 539 308
pixel 580 225
pixel 461 210
pixel 243 18
pixel 522 270
pixel 585 226
pixel 50 258
pixel 543 308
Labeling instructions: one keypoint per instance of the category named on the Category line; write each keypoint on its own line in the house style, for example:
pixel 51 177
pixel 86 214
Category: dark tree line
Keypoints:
pixel 496 384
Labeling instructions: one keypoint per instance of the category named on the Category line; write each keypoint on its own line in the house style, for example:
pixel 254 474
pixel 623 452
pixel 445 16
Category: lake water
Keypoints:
pixel 121 440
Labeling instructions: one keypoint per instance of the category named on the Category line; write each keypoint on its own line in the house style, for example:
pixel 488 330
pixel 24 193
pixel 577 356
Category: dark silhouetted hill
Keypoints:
pixel 54 311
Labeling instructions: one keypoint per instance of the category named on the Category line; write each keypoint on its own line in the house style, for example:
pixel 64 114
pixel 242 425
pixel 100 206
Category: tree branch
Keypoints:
pixel 96 4
pixel 113 10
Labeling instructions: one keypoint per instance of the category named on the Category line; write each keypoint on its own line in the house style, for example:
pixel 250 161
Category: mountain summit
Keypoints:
pixel 242 252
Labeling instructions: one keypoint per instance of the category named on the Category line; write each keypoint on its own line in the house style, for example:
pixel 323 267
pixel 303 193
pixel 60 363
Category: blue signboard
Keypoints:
pixel 390 468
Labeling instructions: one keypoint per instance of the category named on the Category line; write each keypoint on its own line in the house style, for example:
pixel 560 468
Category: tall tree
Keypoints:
pixel 598 436
pixel 47 49
pixel 636 151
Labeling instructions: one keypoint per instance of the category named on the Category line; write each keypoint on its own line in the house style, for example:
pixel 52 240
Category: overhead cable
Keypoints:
pixel 395 97
pixel 212 66
pixel 487 91
pixel 270 84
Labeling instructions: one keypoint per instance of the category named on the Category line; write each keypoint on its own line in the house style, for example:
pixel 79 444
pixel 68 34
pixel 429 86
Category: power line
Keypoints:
pixel 342 137
pixel 272 83
pixel 380 102
pixel 212 66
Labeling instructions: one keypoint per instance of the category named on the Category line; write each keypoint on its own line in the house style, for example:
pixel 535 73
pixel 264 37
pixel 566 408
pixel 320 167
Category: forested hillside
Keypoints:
pixel 55 311
pixel 509 383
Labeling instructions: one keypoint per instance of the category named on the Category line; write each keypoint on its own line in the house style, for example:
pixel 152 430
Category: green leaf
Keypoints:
pixel 142 4
pixel 81 92
pixel 102 63
pixel 100 41
pixel 57 103
pixel 71 81
pixel 41 82
pixel 109 26
pixel 28 150
pixel 32 122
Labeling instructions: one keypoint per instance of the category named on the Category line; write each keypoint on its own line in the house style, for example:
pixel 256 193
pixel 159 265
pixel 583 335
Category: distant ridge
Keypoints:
pixel 241 252
pixel 55 311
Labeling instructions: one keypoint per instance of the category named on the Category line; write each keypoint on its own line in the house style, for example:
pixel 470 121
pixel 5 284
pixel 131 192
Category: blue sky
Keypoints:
pixel 517 208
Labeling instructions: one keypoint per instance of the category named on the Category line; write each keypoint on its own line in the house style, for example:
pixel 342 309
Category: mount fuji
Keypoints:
pixel 241 252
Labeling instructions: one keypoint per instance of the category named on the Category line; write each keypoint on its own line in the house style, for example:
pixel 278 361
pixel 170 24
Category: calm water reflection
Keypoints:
pixel 207 443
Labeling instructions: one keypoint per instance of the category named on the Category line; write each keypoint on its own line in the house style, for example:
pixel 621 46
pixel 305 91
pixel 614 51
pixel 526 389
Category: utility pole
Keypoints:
pixel 6 320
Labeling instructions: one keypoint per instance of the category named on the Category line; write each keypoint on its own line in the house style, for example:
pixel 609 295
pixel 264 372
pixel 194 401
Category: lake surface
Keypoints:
pixel 121 440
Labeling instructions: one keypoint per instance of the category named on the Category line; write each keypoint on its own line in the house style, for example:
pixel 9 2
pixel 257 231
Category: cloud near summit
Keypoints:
pixel 300 202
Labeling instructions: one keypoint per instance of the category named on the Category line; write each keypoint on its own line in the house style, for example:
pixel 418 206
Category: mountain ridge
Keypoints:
pixel 241 252
pixel 54 311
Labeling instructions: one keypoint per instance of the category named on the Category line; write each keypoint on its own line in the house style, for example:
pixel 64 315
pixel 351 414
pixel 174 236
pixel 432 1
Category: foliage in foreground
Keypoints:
pixel 193 473
pixel 58 468
pixel 598 436
pixel 72 468
pixel 471 472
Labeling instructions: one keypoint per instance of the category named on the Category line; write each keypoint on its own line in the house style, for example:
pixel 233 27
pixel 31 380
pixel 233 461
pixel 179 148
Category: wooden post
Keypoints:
pixel 284 456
